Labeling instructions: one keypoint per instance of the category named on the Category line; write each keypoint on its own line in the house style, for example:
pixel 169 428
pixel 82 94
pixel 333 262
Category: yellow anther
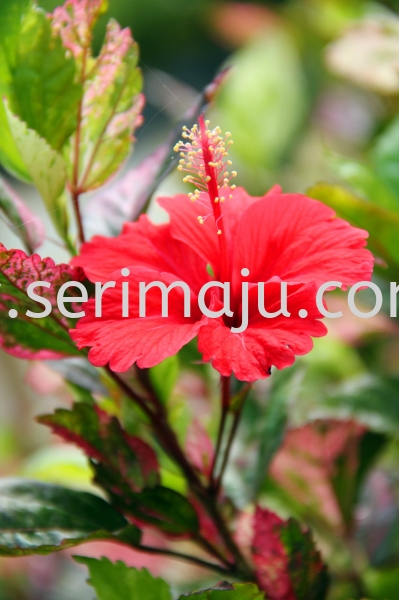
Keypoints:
pixel 216 200
pixel 176 148
pixel 233 187
pixel 222 199
pixel 219 232
pixel 229 162
pixel 185 135
pixel 180 168
pixel 201 220
pixel 234 173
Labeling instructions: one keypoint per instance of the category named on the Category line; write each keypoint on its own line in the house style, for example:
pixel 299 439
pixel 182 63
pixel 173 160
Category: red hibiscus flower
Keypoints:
pixel 225 235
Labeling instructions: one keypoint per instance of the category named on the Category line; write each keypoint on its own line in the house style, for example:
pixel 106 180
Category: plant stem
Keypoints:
pixel 233 431
pixel 226 456
pixel 225 392
pixel 75 190
pixel 168 439
pixel 78 215
pixel 185 557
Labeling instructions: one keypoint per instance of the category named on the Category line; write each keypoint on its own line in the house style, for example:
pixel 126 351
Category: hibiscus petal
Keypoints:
pixel 185 227
pixel 266 342
pixel 299 239
pixel 123 341
pixel 202 238
pixel 146 245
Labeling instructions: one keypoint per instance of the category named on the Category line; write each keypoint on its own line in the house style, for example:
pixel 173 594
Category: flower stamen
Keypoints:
pixel 204 159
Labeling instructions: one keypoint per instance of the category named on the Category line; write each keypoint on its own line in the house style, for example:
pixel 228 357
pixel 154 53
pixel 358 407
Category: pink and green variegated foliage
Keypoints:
pixel 110 110
pixel 310 463
pixel 127 460
pixel 288 565
pixel 25 336
pixel 74 21
pixel 66 115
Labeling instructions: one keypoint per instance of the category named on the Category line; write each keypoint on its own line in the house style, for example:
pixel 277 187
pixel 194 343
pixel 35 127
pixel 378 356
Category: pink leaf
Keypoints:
pixel 23 336
pixel 306 464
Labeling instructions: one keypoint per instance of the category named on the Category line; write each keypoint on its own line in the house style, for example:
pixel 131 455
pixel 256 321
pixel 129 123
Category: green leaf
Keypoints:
pixel 38 79
pixel 45 167
pixel 285 385
pixel 45 93
pixel 382 225
pixel 11 15
pixel 24 336
pixel 160 507
pixel 385 156
pixel 226 591
pixel 38 518
pixel 382 584
pixel 365 181
pixel 127 463
pixel 276 418
pixel 368 399
pixel 116 581
pixel 19 218
pixel 164 376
